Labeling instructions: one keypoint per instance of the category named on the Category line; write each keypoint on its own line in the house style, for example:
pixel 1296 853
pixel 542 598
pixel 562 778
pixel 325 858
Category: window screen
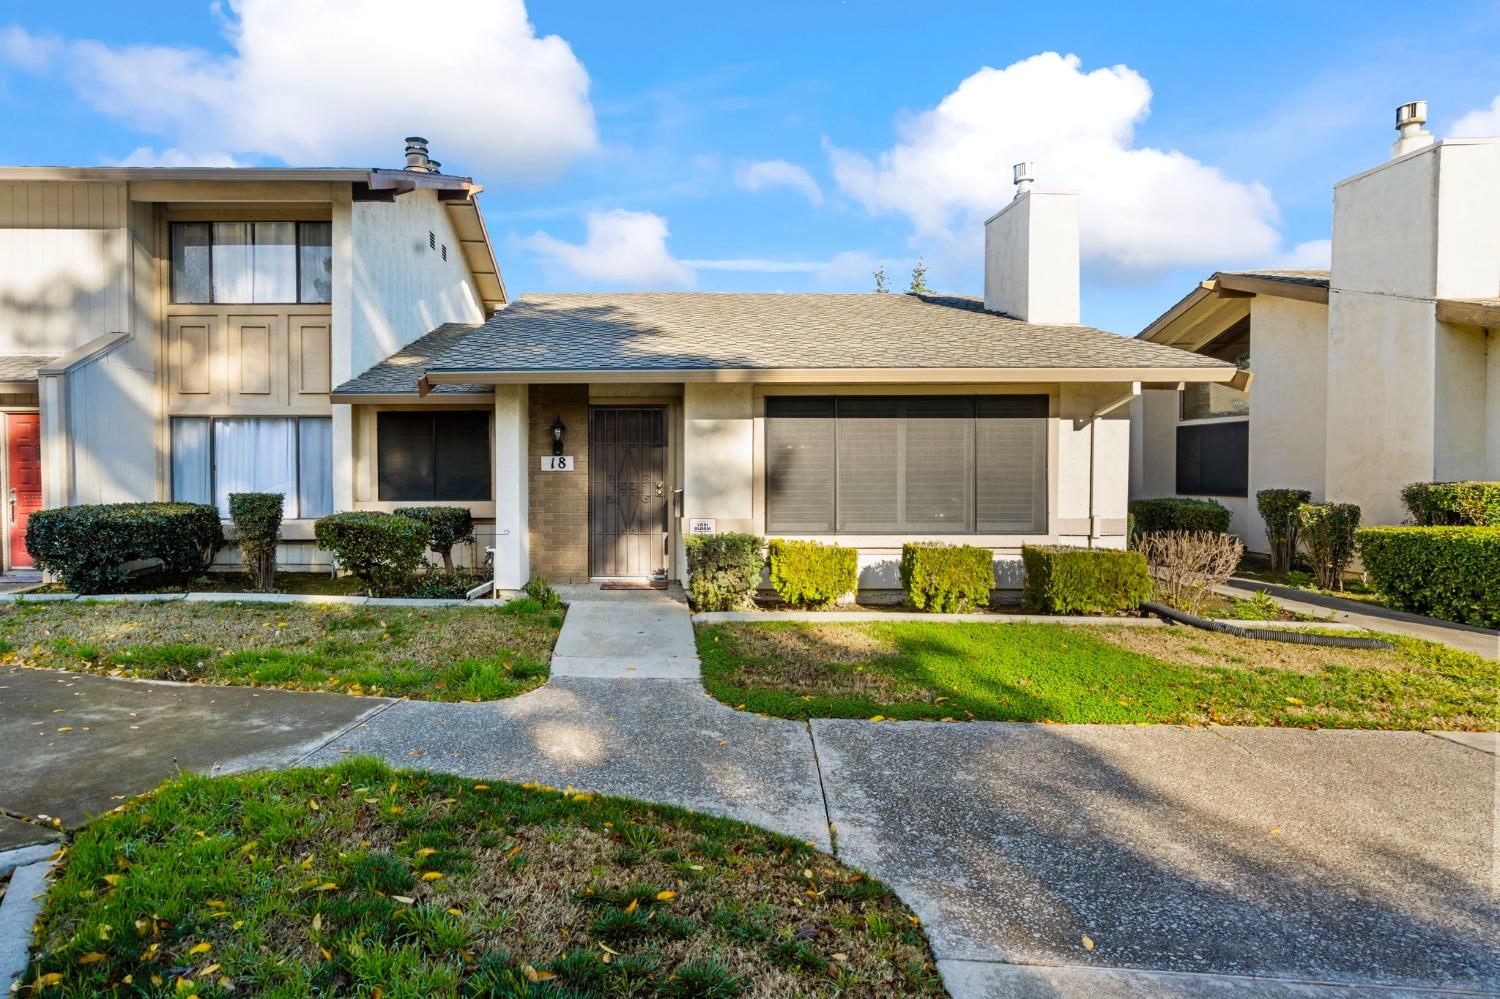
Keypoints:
pixel 433 456
pixel 920 465
pixel 1213 459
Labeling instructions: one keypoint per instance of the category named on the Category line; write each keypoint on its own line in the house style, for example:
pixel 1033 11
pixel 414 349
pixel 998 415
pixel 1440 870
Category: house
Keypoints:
pixel 1381 371
pixel 623 422
pixel 174 333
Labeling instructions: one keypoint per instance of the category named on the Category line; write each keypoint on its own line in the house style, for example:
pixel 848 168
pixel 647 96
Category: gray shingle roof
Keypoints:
pixel 705 331
pixel 398 374
pixel 22 367
pixel 1314 278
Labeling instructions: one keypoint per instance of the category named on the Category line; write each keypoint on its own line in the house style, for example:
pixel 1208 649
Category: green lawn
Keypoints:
pixel 444 653
pixel 1060 673
pixel 362 881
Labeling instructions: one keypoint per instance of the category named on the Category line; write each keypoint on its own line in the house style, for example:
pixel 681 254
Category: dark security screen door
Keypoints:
pixel 628 491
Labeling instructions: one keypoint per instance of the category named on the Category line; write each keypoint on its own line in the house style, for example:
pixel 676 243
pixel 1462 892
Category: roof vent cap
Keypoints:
pixel 1022 175
pixel 416 155
pixel 1409 121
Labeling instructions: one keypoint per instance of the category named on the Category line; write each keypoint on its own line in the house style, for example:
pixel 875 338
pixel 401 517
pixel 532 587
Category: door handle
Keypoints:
pixel 12 506
pixel 659 488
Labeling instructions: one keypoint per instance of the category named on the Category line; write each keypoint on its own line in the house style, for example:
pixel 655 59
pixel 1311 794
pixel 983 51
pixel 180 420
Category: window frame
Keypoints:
pixel 434 415
pixel 1203 426
pixel 297 245
pixel 972 527
pixel 213 457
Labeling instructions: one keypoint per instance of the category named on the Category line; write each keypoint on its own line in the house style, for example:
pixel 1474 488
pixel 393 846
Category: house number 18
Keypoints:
pixel 557 462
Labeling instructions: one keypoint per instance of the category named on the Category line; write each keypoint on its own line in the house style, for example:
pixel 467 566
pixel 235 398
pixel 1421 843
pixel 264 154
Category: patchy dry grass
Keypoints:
pixel 442 653
pixel 363 881
pixel 1061 673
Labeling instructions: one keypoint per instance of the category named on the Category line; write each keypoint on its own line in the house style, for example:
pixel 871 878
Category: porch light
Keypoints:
pixel 557 435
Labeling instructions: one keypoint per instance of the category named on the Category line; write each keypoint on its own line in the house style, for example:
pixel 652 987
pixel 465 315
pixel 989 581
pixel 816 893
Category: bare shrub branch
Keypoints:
pixel 1187 565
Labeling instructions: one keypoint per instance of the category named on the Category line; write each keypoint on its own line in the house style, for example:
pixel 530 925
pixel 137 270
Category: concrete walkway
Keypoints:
pixel 625 634
pixel 1481 641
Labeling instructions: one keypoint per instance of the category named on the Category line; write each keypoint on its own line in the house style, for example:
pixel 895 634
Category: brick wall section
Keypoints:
pixel 559 500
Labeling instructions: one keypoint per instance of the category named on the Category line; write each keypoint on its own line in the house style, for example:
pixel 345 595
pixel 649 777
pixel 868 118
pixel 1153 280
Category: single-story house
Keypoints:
pixel 1381 371
pixel 622 422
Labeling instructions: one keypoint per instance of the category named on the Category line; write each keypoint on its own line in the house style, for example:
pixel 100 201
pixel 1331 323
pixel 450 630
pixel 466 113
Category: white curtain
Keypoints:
pixel 192 481
pixel 255 455
pixel 316 438
pixel 275 262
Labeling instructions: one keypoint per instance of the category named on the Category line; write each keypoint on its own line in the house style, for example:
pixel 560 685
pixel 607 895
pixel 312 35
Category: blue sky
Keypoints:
pixel 779 146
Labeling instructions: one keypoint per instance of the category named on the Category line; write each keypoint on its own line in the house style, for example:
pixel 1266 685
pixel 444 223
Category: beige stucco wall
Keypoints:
pixel 1460 425
pixel 401 287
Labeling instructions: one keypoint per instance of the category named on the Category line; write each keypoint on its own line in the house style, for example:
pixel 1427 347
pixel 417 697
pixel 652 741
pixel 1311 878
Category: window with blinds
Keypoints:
pixel 1213 459
pixel 906 465
pixel 433 456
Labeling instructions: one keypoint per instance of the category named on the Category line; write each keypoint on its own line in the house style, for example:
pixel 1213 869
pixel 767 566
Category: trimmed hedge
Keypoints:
pixel 257 525
pixel 807 574
pixel 1328 535
pixel 1177 514
pixel 1466 504
pixel 723 570
pixel 89 546
pixel 1061 579
pixel 382 549
pixel 1447 572
pixel 1278 508
pixel 946 578
pixel 446 526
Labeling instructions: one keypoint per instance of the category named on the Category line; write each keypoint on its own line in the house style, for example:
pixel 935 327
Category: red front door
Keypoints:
pixel 23 446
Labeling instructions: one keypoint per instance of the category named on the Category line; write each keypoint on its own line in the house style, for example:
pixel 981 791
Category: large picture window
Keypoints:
pixel 1213 459
pixel 252 262
pixel 215 456
pixel 906 465
pixel 433 456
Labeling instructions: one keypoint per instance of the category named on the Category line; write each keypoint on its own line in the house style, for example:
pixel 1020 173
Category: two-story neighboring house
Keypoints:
pixel 174 334
pixel 1381 371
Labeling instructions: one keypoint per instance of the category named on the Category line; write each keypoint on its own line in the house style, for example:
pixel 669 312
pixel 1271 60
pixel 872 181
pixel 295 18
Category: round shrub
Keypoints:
pixel 1278 508
pixel 446 526
pixel 946 578
pixel 807 574
pixel 723 570
pixel 1062 579
pixel 1438 504
pixel 90 546
pixel 382 549
pixel 1328 535
pixel 257 525
pixel 1178 514
pixel 1447 572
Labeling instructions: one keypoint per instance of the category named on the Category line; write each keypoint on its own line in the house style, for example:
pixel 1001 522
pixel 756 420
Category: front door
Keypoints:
pixel 628 491
pixel 23 448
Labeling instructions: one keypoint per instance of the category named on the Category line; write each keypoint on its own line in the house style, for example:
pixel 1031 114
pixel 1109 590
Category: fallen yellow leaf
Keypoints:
pixel 665 896
pixel 91 958
pixel 202 948
pixel 403 899
pixel 426 851
pixel 634 904
pixel 536 976
pixel 1292 700
pixel 1088 943
pixel 50 978
pixel 433 876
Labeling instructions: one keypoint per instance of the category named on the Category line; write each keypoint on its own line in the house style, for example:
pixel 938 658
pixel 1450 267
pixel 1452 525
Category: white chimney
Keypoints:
pixel 1409 121
pixel 417 160
pixel 1031 255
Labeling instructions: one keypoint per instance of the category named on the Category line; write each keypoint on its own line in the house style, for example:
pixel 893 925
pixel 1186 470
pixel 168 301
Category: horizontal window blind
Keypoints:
pixel 432 456
pixel 916 465
pixel 1213 459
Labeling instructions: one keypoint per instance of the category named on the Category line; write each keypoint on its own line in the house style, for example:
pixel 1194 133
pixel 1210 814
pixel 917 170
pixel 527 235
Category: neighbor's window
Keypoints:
pixel 1207 401
pixel 923 464
pixel 1213 459
pixel 433 456
pixel 252 262
pixel 215 456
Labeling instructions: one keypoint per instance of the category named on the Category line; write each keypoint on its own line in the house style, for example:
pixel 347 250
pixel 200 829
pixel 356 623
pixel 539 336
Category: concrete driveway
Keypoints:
pixel 76 745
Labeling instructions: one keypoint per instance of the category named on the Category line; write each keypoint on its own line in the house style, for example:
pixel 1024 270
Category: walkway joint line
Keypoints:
pixel 833 836
pixel 363 719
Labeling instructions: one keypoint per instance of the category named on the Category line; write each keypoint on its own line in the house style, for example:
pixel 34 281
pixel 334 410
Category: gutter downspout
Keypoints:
pixel 1109 407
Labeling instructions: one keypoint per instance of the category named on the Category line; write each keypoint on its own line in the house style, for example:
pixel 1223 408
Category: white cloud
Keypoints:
pixel 340 83
pixel 145 156
pixel 1315 254
pixel 779 173
pixel 1143 209
pixel 1481 122
pixel 619 247
pixel 755 265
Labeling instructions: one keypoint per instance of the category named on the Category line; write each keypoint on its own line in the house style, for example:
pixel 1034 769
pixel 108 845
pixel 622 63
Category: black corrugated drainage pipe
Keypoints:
pixel 1267 634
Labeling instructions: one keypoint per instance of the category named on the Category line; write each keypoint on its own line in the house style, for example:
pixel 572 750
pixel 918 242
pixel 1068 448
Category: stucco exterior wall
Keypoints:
pixel 1461 421
pixel 401 287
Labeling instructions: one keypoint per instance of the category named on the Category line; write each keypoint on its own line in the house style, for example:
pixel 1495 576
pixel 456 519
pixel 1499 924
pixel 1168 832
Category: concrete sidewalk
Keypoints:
pixel 625 634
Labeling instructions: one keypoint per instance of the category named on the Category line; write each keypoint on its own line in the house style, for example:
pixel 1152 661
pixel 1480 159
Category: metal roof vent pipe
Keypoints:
pixel 416 155
pixel 1409 121
pixel 1023 174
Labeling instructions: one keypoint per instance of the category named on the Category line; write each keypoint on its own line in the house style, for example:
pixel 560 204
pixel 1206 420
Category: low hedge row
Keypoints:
pixel 807 574
pixel 382 549
pixel 91 546
pixel 723 570
pixel 1440 504
pixel 1065 580
pixel 946 578
pixel 1447 572
pixel 1149 516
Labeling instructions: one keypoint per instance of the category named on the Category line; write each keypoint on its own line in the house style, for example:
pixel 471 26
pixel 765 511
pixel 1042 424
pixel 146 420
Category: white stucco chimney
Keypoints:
pixel 1409 121
pixel 1031 254
pixel 416 155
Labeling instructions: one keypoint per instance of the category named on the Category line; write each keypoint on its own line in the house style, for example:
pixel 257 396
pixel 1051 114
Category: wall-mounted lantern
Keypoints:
pixel 557 435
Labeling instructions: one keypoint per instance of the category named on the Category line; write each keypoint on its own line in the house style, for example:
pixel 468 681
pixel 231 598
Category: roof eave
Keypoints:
pixel 1222 374
pixel 1254 285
